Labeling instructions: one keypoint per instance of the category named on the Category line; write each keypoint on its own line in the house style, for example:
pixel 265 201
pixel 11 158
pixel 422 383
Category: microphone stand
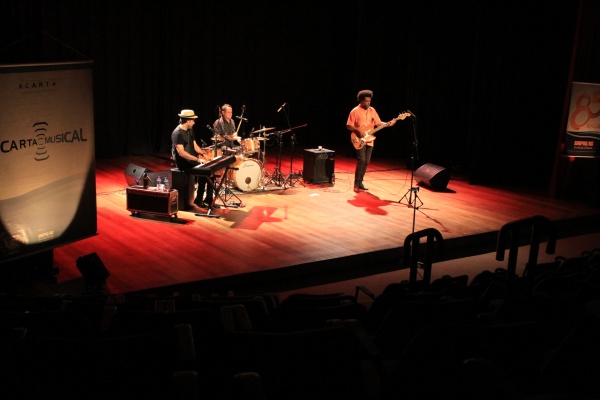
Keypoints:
pixel 291 178
pixel 277 177
pixel 412 201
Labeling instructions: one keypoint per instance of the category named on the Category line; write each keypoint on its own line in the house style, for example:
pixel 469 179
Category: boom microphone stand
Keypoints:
pixel 277 177
pixel 293 178
pixel 412 201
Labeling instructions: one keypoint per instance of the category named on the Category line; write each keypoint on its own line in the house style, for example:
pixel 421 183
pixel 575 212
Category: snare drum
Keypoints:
pixel 248 175
pixel 250 145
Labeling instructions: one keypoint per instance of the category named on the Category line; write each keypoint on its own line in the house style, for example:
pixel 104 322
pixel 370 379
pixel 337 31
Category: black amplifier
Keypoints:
pixel 319 166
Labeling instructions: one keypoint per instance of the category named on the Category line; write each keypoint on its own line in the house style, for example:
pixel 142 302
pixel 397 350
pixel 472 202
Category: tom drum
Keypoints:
pixel 248 175
pixel 209 153
pixel 251 145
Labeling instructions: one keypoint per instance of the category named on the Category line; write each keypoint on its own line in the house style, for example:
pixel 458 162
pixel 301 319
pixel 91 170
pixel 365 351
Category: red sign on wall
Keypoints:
pixel 583 127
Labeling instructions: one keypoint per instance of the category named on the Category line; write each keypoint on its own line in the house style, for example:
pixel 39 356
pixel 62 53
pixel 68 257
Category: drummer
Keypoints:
pixel 225 132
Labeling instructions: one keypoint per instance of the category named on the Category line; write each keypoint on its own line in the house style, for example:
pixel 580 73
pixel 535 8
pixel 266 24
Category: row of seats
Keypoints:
pixel 467 337
pixel 497 336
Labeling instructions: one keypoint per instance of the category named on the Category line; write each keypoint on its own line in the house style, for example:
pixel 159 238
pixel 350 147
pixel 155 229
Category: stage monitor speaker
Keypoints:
pixel 92 270
pixel 319 166
pixel 432 176
pixel 133 173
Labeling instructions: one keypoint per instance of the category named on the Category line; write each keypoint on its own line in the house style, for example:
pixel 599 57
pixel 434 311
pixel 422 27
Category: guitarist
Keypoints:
pixel 362 118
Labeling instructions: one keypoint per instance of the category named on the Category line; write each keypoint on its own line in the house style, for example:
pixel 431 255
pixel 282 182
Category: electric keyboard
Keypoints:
pixel 211 167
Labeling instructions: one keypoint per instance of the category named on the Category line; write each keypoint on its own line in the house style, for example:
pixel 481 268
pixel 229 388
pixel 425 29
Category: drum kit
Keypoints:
pixel 247 172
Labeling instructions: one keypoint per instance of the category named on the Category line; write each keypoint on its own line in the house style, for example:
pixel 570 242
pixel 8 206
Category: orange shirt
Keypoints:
pixel 364 119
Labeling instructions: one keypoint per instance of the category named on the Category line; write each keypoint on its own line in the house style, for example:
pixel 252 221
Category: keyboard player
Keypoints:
pixel 187 154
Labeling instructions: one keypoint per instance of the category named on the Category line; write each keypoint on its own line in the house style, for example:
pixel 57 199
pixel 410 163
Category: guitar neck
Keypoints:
pixel 385 125
pixel 372 131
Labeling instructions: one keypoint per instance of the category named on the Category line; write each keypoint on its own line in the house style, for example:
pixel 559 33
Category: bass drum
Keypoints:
pixel 248 175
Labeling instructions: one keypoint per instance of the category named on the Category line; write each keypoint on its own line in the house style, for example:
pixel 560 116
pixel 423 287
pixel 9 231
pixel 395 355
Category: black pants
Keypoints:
pixel 203 185
pixel 364 158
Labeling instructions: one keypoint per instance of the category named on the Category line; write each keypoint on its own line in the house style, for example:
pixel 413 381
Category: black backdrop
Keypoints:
pixel 488 80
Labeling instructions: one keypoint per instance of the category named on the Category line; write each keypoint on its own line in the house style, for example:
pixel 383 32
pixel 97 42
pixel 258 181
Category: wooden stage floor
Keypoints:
pixel 292 237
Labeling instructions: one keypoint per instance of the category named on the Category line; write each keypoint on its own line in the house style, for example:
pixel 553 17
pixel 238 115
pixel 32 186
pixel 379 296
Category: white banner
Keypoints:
pixel 46 154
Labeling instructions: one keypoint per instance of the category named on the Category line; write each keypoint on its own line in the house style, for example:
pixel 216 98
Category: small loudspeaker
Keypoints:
pixel 433 176
pixel 133 173
pixel 319 165
pixel 92 270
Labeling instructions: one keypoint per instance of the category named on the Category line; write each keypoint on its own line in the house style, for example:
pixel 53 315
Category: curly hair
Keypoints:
pixel 364 93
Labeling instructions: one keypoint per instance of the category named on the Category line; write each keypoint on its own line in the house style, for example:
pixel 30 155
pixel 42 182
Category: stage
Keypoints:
pixel 295 235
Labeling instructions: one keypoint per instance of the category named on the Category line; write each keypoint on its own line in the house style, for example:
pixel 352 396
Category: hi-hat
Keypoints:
pixel 263 130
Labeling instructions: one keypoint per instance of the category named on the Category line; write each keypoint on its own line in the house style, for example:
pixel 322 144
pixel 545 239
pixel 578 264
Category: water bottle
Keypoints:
pixel 166 184
pixel 145 180
pixel 159 185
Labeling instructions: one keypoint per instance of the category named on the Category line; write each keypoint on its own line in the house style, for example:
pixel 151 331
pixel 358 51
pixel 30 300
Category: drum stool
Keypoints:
pixel 184 183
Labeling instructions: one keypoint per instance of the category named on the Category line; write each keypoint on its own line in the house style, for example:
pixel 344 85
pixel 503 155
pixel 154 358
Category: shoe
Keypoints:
pixel 361 186
pixel 196 208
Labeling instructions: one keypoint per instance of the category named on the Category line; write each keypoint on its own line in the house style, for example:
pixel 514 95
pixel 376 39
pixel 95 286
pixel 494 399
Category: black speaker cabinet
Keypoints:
pixel 184 184
pixel 133 173
pixel 319 166
pixel 92 270
pixel 432 176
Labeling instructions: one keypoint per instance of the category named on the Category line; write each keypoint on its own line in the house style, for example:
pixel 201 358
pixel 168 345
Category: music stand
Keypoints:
pixel 412 194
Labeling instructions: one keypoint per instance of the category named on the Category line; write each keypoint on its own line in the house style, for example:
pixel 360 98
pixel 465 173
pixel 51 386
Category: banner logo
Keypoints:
pixel 41 139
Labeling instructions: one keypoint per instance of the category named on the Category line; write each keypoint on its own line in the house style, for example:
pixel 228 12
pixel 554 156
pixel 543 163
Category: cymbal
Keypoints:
pixel 218 139
pixel 261 138
pixel 263 130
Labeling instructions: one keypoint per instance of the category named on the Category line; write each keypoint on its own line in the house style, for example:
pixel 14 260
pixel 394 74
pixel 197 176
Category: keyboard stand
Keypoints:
pixel 226 194
pixel 217 194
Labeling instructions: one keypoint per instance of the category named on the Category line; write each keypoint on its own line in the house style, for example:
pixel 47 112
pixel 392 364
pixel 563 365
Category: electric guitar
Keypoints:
pixel 360 142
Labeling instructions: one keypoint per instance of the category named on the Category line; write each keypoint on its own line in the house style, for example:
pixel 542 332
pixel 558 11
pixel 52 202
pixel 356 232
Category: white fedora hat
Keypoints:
pixel 188 114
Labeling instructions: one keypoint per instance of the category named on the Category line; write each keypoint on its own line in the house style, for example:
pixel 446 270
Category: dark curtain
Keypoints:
pixel 487 79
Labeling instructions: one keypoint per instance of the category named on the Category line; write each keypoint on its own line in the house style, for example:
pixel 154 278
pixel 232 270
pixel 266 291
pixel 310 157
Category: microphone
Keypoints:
pixel 203 143
pixel 283 105
pixel 242 118
pixel 210 128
